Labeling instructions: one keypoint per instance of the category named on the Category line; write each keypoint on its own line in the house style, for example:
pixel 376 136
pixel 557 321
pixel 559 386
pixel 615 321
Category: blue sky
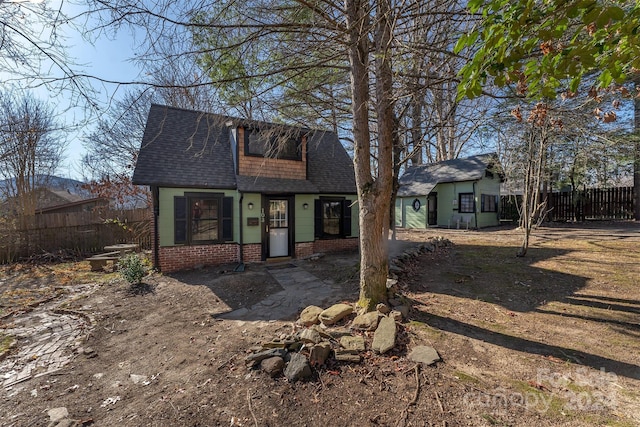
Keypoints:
pixel 106 59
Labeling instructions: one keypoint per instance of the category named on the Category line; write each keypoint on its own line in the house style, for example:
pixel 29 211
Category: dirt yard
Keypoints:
pixel 551 339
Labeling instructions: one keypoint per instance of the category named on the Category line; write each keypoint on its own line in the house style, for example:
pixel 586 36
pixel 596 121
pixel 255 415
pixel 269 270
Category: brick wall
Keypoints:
pixel 304 249
pixel 271 168
pixel 177 258
pixel 252 252
pixel 335 245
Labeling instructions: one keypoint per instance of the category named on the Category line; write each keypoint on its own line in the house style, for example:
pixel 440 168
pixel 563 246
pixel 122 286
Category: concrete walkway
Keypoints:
pixel 300 289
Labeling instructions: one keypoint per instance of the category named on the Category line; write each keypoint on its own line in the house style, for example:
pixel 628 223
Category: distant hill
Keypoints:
pixel 51 182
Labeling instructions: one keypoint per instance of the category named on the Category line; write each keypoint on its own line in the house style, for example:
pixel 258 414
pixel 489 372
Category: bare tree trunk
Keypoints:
pixel 531 207
pixel 373 194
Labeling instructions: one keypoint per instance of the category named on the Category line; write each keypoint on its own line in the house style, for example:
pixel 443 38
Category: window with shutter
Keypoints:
pixel 201 218
pixel 332 217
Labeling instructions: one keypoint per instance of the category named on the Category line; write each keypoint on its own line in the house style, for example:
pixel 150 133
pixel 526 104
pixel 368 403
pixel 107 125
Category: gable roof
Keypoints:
pixel 421 180
pixel 192 149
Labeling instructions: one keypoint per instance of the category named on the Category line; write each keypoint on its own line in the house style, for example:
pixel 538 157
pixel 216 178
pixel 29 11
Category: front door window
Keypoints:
pixel 278 227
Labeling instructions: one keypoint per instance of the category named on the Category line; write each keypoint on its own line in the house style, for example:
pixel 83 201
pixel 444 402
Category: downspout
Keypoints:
pixel 156 213
pixel 241 242
pixel 475 208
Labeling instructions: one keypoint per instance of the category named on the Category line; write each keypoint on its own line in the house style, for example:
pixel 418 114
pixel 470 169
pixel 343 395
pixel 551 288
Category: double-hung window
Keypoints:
pixel 489 203
pixel 272 144
pixel 332 217
pixel 203 218
pixel 466 203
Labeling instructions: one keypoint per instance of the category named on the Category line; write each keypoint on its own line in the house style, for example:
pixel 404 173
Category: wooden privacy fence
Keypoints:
pixel 591 203
pixel 79 232
pixel 580 205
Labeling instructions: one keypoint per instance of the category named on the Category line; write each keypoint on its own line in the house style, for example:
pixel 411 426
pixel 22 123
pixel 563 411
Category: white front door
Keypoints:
pixel 278 227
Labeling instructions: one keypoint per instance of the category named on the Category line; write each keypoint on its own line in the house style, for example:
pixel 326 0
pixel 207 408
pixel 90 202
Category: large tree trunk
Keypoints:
pixel 373 193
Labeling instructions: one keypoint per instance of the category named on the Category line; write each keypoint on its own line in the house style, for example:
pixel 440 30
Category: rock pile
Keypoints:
pixel 336 331
pixel 322 333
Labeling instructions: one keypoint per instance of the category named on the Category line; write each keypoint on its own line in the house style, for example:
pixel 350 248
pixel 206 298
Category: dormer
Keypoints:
pixel 271 151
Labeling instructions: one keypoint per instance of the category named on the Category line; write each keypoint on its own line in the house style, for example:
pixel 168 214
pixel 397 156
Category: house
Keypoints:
pixel 460 193
pixel 48 200
pixel 63 201
pixel 229 190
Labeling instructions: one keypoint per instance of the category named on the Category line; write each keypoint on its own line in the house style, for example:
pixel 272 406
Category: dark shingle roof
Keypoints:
pixel 330 168
pixel 421 180
pixel 183 148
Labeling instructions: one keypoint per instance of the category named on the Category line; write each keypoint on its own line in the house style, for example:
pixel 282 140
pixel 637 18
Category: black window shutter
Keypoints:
pixel 227 218
pixel 180 216
pixel 317 218
pixel 482 207
pixel 346 218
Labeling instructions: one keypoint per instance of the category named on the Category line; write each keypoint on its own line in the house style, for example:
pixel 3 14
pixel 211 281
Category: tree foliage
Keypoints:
pixel 544 47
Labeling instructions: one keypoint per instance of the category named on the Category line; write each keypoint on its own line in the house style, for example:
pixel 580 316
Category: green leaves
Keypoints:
pixel 551 44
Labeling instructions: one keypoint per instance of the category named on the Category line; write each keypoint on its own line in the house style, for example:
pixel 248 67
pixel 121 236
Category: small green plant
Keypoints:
pixel 132 268
pixel 6 341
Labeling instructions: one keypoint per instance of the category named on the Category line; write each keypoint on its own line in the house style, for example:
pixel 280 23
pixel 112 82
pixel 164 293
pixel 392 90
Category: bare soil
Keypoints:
pixel 549 339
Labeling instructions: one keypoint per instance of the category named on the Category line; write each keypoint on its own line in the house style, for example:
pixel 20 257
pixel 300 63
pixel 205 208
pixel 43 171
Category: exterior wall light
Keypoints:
pixel 250 206
pixel 305 206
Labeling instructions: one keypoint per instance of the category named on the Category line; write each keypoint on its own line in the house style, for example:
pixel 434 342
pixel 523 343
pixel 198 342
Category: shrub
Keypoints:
pixel 132 268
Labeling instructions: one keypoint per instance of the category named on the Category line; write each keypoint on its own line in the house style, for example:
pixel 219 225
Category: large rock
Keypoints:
pixel 424 354
pixel 309 315
pixel 353 344
pixel 272 366
pixel 347 356
pixel 396 315
pixel 298 368
pixel 384 339
pixel 254 359
pixel 57 414
pixel 335 313
pixel 309 336
pixel 403 309
pixel 366 322
pixel 383 308
pixel 319 354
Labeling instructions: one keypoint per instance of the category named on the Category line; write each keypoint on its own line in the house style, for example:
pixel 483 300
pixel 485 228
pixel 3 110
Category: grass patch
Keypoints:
pixel 541 401
pixel 467 378
pixel 6 341
pixel 493 420
pixel 424 328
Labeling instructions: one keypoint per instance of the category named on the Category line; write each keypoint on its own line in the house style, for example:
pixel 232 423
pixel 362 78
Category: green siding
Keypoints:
pixel 304 217
pixel 251 234
pixel 166 220
pixel 407 217
pixel 490 186
pixel 447 195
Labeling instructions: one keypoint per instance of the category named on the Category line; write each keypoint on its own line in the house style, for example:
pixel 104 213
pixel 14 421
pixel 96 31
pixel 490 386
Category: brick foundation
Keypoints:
pixel 304 249
pixel 252 252
pixel 335 245
pixel 176 258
